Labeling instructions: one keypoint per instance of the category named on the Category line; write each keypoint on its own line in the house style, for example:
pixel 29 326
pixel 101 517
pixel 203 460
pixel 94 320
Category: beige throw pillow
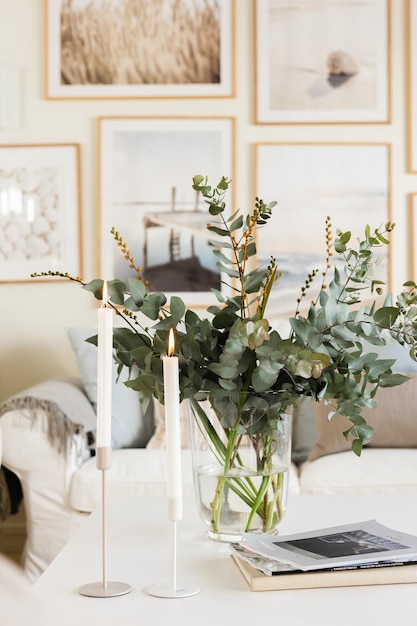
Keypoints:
pixel 158 438
pixel 394 421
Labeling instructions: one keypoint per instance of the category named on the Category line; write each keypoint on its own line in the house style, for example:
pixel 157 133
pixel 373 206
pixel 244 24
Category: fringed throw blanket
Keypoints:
pixel 67 409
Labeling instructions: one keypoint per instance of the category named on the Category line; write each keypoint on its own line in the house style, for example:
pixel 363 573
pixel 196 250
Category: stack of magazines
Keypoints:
pixel 365 553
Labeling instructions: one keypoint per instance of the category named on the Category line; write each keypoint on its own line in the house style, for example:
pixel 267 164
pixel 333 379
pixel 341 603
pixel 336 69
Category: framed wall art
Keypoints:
pixel 412 83
pixel 145 188
pixel 317 63
pixel 39 210
pixel 348 182
pixel 139 48
pixel 413 235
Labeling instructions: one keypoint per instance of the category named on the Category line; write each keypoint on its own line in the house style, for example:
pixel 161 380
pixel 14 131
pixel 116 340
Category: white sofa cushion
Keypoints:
pixel 375 471
pixel 133 472
pixel 136 473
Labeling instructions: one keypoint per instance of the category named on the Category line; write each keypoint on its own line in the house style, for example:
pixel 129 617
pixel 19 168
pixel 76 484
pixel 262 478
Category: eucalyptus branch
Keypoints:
pixel 215 198
pixel 65 275
pixel 124 314
pixel 127 315
pixel 232 350
pixel 128 256
pixel 271 276
pixel 240 264
pixel 358 271
pixel 304 289
pixel 329 254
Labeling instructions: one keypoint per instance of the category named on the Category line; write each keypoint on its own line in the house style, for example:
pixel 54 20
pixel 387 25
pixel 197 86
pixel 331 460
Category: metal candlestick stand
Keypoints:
pixel 172 591
pixel 104 589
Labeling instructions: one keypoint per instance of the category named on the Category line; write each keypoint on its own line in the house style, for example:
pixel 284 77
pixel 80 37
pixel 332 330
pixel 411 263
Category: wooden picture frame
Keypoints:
pixel 350 182
pixel 412 84
pixel 40 210
pixel 86 59
pixel 145 190
pixel 412 209
pixel 318 63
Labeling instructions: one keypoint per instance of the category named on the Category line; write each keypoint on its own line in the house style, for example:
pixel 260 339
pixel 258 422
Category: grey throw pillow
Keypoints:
pixel 130 427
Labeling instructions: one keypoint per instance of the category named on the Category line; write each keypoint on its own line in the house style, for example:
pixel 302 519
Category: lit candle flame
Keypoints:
pixel 104 296
pixel 171 343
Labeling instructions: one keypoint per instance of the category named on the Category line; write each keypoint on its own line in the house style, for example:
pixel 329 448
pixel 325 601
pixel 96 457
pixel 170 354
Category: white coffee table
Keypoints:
pixel 139 553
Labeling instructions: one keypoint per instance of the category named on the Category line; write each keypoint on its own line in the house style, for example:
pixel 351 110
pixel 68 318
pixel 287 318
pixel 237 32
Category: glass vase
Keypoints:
pixel 241 453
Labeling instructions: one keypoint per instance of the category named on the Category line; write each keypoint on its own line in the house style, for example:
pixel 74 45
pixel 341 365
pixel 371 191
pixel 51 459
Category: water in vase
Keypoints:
pixel 226 505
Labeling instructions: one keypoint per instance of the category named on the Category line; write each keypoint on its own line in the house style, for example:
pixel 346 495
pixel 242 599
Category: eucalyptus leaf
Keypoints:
pixel 177 309
pixel 116 290
pixel 137 291
pixel 386 316
pixel 152 305
pixel 238 223
pixel 222 257
pixel 96 287
pixel 222 232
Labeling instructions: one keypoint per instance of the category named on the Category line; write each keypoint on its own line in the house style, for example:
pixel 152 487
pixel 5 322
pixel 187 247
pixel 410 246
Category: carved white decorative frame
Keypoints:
pixel 40 208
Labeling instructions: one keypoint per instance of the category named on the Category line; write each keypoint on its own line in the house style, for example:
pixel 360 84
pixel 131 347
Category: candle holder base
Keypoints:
pixel 98 590
pixel 167 591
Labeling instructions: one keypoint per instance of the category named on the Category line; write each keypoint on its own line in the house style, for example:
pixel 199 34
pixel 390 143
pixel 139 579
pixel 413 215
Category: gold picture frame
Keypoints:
pixel 412 212
pixel 146 166
pixel 322 63
pixel 412 84
pixel 128 50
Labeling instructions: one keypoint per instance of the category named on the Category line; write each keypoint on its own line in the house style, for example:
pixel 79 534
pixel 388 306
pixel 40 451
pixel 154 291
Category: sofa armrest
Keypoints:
pixel 65 403
pixel 44 447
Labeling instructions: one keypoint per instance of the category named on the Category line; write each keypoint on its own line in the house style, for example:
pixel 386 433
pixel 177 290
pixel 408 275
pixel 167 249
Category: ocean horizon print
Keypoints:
pixel 347 182
pixel 170 245
pixel 295 268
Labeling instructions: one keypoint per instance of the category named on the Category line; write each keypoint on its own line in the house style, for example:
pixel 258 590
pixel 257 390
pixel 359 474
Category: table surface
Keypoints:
pixel 139 553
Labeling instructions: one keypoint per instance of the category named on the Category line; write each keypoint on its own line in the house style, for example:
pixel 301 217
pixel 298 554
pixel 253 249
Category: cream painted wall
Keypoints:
pixel 33 316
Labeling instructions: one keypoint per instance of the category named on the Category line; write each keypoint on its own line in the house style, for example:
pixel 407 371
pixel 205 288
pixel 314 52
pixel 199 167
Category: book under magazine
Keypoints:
pixel 284 577
pixel 359 545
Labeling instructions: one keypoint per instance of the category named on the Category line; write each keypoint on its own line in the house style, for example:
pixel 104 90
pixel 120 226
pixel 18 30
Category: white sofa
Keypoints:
pixel 61 483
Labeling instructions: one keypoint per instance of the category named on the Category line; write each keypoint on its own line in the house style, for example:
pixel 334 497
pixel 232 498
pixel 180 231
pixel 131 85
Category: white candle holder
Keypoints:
pixel 172 590
pixel 104 588
pixel 174 478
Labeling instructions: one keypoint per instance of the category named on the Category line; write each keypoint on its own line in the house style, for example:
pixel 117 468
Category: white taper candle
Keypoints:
pixel 173 433
pixel 104 372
